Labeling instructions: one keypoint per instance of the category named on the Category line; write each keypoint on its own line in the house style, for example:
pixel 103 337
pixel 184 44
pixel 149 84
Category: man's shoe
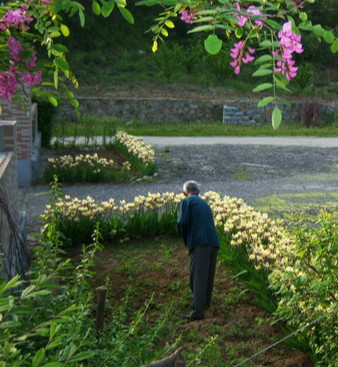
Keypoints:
pixel 191 317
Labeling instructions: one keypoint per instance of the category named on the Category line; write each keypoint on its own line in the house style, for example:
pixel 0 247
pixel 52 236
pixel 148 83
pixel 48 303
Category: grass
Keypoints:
pixel 286 205
pixel 107 127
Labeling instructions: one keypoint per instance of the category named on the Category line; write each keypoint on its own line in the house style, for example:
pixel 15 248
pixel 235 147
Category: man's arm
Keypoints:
pixel 183 220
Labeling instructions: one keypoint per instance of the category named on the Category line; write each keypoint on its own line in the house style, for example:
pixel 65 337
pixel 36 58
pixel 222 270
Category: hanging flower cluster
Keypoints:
pixel 17 20
pixel 241 56
pixel 290 43
pixel 188 15
pixel 251 11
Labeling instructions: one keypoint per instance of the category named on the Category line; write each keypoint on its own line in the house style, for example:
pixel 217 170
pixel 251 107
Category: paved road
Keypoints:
pixel 236 140
pixel 162 141
pixel 250 168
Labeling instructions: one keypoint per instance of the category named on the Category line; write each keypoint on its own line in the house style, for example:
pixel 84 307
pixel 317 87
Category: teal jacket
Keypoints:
pixel 195 223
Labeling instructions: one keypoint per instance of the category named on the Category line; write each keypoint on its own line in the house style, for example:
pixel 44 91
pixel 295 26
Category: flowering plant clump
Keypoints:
pixel 142 155
pixel 266 32
pixel 86 168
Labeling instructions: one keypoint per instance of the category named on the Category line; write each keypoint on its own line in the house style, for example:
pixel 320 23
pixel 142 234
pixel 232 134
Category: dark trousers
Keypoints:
pixel 202 274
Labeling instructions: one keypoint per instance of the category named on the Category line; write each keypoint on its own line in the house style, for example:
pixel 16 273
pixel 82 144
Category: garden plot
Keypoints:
pixel 158 268
pixel 128 158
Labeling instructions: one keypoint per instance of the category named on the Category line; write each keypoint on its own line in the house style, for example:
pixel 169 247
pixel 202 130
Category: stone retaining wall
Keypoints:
pixel 188 110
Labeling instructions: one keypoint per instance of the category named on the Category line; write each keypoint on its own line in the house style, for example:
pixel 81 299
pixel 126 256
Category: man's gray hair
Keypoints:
pixel 191 187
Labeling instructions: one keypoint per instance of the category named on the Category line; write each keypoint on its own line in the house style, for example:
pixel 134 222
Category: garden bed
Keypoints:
pixel 160 265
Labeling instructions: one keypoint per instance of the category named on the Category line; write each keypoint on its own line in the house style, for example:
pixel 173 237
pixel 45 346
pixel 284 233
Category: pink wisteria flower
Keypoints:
pixel 8 84
pixel 15 49
pixel 240 56
pixel 249 12
pixel 290 43
pixel 188 15
pixel 16 19
pixel 31 79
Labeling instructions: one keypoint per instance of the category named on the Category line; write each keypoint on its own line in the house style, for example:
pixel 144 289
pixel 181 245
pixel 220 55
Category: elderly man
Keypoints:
pixel 196 225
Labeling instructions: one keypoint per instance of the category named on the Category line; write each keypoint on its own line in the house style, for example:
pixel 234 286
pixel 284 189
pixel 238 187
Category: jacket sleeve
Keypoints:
pixel 183 220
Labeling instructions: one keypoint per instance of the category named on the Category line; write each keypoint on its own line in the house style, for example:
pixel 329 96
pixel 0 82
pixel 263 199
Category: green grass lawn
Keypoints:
pixel 91 126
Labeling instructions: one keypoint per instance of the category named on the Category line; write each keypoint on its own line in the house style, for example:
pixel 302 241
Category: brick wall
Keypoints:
pixel 16 112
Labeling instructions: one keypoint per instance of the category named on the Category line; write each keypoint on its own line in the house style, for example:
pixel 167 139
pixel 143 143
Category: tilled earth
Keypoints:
pixel 250 172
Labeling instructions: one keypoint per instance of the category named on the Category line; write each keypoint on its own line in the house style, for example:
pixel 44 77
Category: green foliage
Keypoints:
pixel 307 286
pixel 45 114
pixel 304 75
pixel 49 321
pixel 167 60
pixel 219 66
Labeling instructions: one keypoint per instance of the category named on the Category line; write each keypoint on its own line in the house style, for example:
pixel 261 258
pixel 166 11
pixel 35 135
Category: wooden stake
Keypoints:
pixel 100 304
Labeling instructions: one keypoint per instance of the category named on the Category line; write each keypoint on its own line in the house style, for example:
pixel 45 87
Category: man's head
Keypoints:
pixel 191 187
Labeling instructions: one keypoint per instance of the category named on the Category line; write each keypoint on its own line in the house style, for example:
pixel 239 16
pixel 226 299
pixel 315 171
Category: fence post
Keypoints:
pixel 100 304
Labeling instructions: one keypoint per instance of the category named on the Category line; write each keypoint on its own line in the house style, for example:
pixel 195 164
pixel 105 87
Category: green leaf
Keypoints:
pixel 262 72
pixel 239 32
pixel 303 16
pixel 81 356
pixel 96 8
pixel 273 24
pixel 263 58
pixel 107 8
pixel 64 30
pixel 53 101
pixel 53 364
pixel 334 46
pixel 262 87
pixel 213 44
pixel 56 79
pixel 60 48
pixel 75 103
pixel 266 43
pixel 38 358
pixel 62 64
pixel 127 15
pixel 82 18
pixel 206 27
pixel 318 30
pixel 265 101
pixel 276 118
pixel 329 37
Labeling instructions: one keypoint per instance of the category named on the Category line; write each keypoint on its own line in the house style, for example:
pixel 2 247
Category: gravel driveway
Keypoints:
pixel 247 171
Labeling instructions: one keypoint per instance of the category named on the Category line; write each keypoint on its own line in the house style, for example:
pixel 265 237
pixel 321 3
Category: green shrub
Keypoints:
pixel 304 75
pixel 45 115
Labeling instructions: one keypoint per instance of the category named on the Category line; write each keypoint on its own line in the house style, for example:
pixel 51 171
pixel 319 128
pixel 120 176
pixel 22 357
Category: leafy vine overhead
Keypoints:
pixel 28 25
pixel 268 33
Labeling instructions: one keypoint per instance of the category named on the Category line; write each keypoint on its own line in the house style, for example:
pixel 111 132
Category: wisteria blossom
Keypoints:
pixel 17 19
pixel 249 12
pixel 290 43
pixel 240 56
pixel 188 15
pixel 8 83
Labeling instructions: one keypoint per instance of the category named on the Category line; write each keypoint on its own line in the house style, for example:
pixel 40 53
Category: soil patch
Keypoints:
pixel 159 267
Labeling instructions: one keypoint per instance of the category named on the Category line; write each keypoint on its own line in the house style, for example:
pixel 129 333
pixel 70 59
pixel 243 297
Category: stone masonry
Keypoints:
pixel 159 110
